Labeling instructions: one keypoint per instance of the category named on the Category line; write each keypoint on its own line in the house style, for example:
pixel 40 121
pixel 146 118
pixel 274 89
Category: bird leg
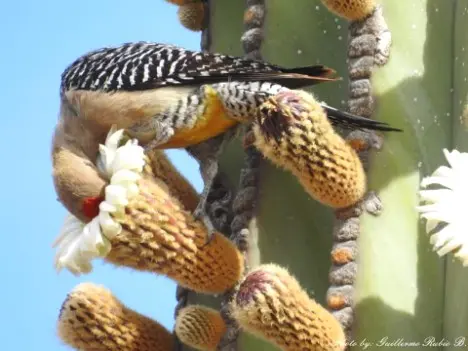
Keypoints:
pixel 207 154
pixel 203 152
pixel 209 170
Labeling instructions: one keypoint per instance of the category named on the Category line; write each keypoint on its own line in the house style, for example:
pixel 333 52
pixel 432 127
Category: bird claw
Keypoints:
pixel 158 133
pixel 200 214
pixel 199 211
pixel 151 145
pixel 160 138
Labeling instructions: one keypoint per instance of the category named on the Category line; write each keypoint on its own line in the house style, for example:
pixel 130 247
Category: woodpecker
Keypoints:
pixel 166 97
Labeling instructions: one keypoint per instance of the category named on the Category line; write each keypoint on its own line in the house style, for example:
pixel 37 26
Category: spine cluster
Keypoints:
pixel 180 187
pixel 271 304
pixel 292 130
pixel 368 45
pixel 157 232
pixel 160 236
pixel 200 327
pixel 215 202
pixel 92 319
pixel 350 9
pixel 191 13
pixel 244 204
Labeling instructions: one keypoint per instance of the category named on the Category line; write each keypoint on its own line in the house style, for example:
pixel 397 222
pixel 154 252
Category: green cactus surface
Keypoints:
pixel 294 229
pixel 405 292
pixel 400 285
pixel 456 277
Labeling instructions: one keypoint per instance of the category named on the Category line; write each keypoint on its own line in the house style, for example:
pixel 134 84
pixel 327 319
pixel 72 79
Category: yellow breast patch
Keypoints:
pixel 211 123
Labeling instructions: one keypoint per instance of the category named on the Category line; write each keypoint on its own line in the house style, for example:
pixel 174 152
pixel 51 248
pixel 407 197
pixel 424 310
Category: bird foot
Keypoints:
pixel 200 214
pixel 152 132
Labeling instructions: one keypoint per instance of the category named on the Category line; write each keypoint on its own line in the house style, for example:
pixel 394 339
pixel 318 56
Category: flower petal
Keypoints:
pixel 436 195
pixel 125 176
pixel 462 254
pixel 107 207
pixel 116 195
pixel 67 257
pixel 109 226
pixel 129 157
pixel 78 244
pixel 435 210
pixel 71 227
pixel 449 246
pixel 443 171
pixel 113 138
pixel 447 205
pixel 431 224
pixel 91 238
pixel 447 182
pixel 104 162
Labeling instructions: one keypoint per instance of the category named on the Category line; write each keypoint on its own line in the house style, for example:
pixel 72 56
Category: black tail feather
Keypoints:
pixel 286 77
pixel 315 71
pixel 349 121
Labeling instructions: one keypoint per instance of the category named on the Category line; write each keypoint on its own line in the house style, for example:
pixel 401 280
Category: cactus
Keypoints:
pixel 164 169
pixel 191 16
pixel 294 132
pixel 271 303
pixel 142 224
pixel 92 319
pixel 456 307
pixel 350 9
pixel 200 327
pixel 160 236
pixel 400 290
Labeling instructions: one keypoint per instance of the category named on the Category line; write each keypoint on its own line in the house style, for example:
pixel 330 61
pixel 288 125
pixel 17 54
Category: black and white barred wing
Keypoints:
pixel 142 65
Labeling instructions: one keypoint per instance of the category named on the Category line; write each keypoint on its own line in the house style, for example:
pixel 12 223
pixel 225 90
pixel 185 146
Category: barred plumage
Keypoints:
pixel 146 65
pixel 143 66
pixel 166 97
pixel 251 94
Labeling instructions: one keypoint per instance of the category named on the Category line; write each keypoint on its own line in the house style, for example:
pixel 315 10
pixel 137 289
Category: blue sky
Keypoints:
pixel 39 39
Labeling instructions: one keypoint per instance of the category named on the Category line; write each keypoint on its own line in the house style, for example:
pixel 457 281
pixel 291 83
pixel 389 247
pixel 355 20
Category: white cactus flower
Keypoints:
pixel 446 206
pixel 110 227
pixel 116 195
pixel 128 157
pixel 78 243
pixel 107 151
pixel 72 249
